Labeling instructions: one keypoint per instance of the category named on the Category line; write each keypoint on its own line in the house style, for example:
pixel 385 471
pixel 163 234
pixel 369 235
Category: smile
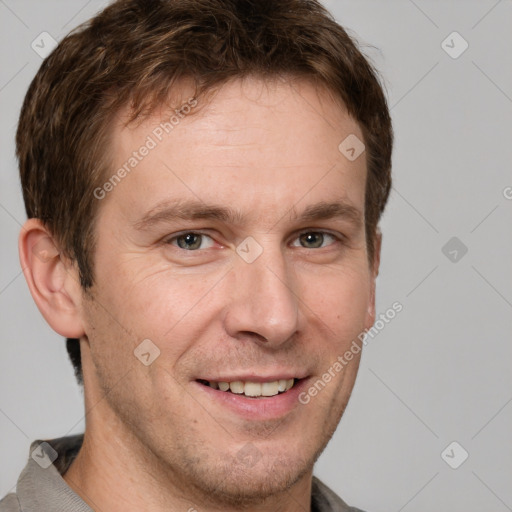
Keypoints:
pixel 252 389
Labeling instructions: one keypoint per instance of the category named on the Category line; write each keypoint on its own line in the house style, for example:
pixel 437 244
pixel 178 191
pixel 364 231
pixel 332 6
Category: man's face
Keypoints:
pixel 174 265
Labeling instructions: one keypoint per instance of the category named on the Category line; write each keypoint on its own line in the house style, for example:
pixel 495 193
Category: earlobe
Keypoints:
pixel 52 281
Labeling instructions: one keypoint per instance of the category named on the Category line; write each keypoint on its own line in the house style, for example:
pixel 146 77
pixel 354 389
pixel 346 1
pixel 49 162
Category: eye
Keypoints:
pixel 191 241
pixel 314 240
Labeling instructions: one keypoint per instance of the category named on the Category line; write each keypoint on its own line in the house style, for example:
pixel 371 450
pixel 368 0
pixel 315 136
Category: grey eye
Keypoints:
pixel 311 240
pixel 192 241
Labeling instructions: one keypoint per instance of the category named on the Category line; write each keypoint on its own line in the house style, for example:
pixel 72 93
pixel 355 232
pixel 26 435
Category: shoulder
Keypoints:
pixel 10 503
pixel 324 499
pixel 40 485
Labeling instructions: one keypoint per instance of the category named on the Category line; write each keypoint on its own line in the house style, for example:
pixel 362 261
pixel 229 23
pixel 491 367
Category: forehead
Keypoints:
pixel 255 144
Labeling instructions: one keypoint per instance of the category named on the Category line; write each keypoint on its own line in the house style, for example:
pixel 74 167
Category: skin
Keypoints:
pixel 154 440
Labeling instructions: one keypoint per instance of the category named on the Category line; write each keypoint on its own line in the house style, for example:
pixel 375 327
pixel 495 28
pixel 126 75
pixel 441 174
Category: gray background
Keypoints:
pixel 440 371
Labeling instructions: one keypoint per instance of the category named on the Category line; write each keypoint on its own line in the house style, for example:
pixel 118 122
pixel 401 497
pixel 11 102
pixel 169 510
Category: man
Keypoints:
pixel 203 181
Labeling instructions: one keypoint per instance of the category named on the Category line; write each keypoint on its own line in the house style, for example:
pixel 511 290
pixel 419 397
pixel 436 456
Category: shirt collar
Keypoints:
pixel 41 486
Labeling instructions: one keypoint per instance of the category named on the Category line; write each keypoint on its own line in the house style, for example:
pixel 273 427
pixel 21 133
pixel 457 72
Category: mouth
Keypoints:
pixel 254 397
pixel 251 389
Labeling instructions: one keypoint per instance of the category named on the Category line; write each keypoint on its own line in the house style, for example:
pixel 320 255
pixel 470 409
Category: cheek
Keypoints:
pixel 175 310
pixel 170 310
pixel 340 300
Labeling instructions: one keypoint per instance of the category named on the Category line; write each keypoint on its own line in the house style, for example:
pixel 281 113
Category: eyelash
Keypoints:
pixel 338 238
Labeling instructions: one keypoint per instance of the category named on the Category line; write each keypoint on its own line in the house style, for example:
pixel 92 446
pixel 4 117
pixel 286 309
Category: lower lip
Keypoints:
pixel 266 408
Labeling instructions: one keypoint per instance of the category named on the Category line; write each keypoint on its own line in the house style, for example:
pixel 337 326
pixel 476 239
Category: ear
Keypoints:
pixel 52 279
pixel 374 272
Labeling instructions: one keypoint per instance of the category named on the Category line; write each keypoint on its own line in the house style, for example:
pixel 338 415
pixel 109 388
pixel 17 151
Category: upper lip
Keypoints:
pixel 256 377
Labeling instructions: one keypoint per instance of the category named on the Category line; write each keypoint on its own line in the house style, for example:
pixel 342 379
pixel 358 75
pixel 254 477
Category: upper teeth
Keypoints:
pixel 254 388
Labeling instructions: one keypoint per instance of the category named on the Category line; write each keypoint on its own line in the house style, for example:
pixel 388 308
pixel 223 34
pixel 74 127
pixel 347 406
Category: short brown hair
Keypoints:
pixel 133 52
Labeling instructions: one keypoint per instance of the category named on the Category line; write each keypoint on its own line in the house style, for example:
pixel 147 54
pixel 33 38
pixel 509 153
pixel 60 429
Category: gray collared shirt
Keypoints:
pixel 41 488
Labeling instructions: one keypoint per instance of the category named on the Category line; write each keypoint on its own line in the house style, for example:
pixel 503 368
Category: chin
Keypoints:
pixel 246 483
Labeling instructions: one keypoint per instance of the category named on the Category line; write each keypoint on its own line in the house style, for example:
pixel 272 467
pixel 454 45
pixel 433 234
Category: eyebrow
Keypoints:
pixel 168 211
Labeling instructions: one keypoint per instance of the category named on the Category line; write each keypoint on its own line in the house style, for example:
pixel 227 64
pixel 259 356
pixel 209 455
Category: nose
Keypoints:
pixel 264 304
